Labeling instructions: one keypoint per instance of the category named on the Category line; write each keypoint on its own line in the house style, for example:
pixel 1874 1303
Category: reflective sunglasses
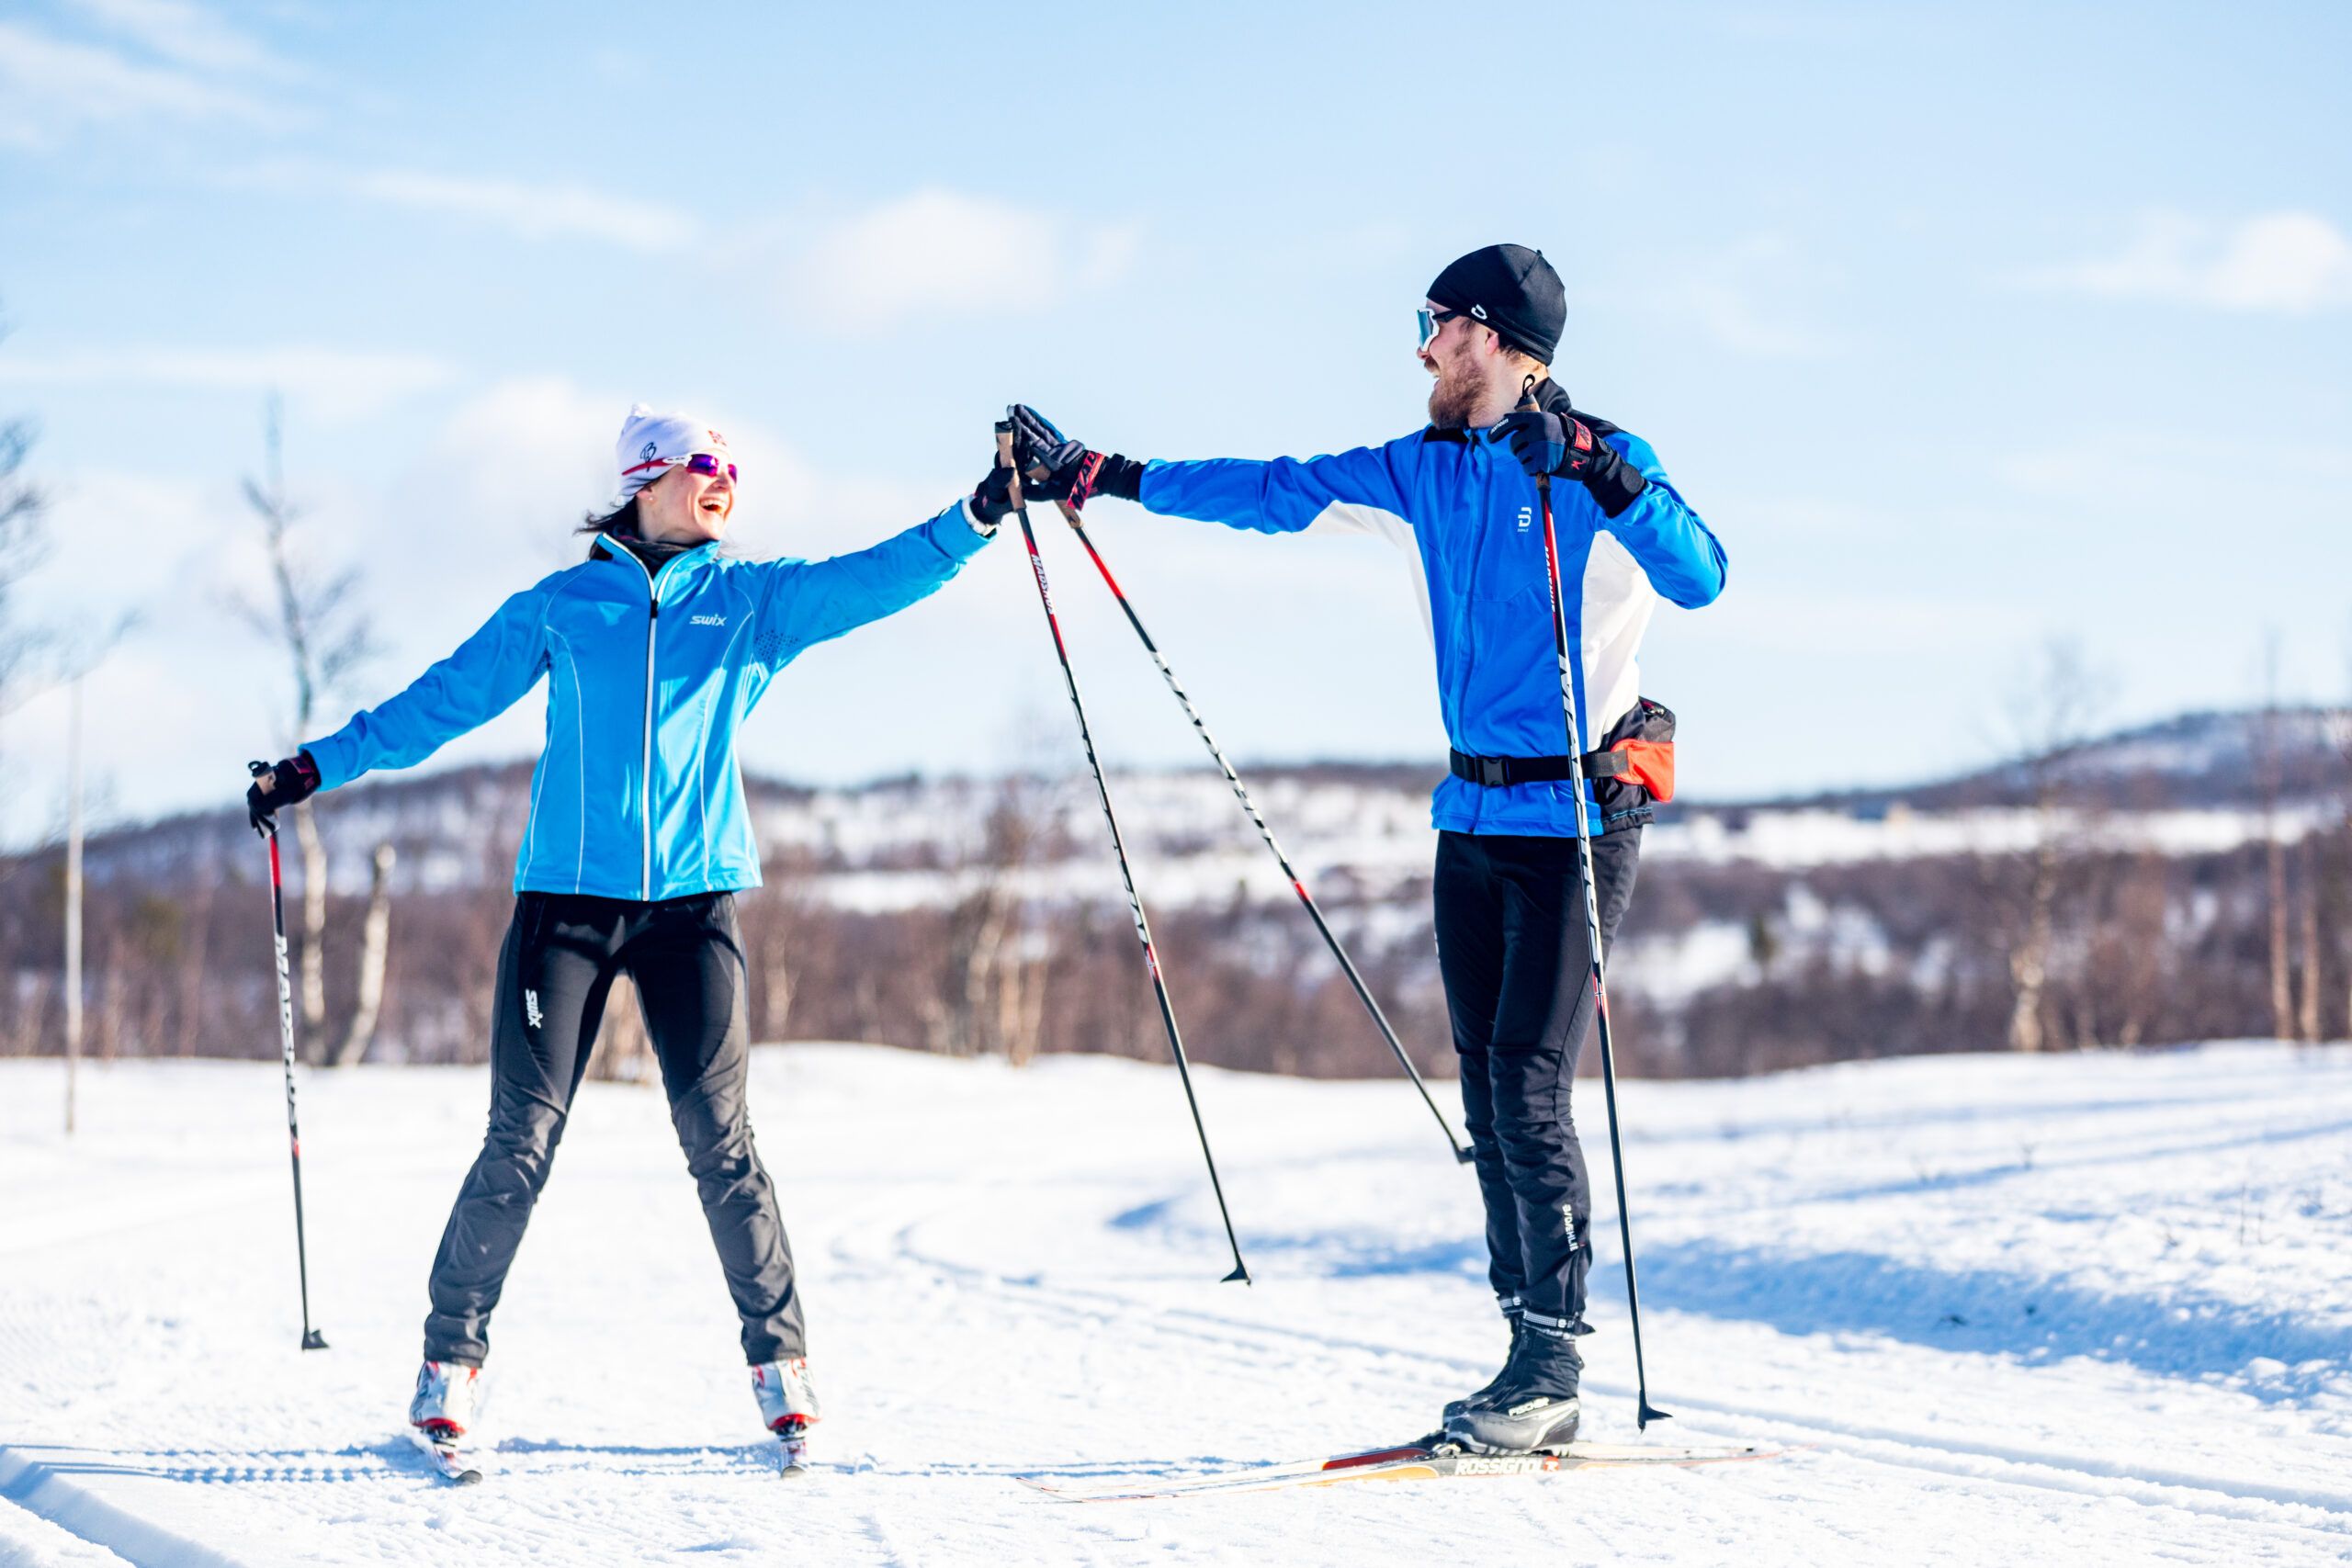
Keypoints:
pixel 704 463
pixel 1433 322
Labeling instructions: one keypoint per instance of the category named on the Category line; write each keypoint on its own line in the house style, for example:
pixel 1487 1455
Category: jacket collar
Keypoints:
pixel 612 547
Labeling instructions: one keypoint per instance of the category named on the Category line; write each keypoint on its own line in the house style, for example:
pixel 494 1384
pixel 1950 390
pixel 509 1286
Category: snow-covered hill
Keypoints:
pixel 2088 1309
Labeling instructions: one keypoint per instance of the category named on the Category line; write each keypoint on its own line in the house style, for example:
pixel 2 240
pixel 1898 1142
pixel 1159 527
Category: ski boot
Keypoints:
pixel 1457 1406
pixel 441 1415
pixel 1532 1409
pixel 788 1405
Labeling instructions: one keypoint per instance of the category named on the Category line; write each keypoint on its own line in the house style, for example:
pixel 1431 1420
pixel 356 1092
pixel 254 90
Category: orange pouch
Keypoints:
pixel 1649 763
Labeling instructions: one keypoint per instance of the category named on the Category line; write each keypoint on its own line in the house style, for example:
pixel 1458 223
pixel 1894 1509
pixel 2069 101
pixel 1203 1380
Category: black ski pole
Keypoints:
pixel 312 1338
pixel 1644 1412
pixel 1298 886
pixel 1118 844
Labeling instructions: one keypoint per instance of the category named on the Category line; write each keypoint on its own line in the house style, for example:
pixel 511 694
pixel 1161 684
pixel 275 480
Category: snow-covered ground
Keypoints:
pixel 2092 1309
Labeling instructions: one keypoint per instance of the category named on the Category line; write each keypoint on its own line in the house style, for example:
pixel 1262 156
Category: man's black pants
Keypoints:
pixel 562 953
pixel 1515 953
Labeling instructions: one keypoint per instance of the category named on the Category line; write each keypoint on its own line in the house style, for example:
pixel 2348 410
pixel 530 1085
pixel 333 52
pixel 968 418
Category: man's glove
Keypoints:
pixel 1556 444
pixel 1565 446
pixel 290 783
pixel 1057 469
pixel 992 500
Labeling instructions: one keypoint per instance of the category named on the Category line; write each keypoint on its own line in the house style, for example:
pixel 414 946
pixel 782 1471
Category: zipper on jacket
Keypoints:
pixel 645 778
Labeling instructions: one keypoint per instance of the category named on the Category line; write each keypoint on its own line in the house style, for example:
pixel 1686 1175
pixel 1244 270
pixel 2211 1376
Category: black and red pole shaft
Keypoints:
pixel 1297 883
pixel 312 1338
pixel 1118 844
pixel 1645 1412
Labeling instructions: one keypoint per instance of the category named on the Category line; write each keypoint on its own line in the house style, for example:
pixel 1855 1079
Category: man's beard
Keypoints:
pixel 1453 398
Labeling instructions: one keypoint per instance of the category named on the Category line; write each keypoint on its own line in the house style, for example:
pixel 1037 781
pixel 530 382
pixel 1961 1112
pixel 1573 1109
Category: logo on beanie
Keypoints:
pixel 645 452
pixel 1478 312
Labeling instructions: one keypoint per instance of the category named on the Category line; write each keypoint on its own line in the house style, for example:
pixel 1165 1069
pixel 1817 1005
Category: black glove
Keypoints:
pixel 1556 444
pixel 290 783
pixel 1055 468
pixel 1565 446
pixel 993 499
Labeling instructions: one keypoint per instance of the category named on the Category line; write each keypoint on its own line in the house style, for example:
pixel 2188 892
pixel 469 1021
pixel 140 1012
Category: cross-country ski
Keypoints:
pixel 1413 1461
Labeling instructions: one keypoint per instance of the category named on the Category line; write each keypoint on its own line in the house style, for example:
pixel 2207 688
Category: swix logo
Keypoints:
pixel 707 621
pixel 645 453
pixel 1526 518
pixel 1479 312
pixel 531 1009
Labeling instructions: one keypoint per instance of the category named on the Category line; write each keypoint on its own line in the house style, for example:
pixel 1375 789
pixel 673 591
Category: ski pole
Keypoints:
pixel 1644 1412
pixel 1331 938
pixel 312 1338
pixel 1118 844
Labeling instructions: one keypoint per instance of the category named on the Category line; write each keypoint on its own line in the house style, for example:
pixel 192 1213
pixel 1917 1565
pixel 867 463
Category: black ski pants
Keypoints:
pixel 562 953
pixel 1515 953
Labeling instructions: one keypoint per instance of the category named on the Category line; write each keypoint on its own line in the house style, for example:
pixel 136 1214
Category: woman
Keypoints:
pixel 655 649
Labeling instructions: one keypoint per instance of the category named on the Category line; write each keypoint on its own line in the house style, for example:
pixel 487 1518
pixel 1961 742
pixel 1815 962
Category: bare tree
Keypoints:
pixel 318 620
pixel 991 992
pixel 375 941
pixel 2268 767
pixel 2051 719
pixel 21 504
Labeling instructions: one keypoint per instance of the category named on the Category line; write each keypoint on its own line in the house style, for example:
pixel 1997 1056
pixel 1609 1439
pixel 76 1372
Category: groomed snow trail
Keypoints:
pixel 2093 1308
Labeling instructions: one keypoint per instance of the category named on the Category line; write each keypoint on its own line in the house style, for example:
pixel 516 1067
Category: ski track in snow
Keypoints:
pixel 2088 1308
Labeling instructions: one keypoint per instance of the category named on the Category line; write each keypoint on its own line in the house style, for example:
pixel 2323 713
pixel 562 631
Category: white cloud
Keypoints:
pixel 51 88
pixel 189 35
pixel 1747 296
pixel 943 252
pixel 536 210
pixel 2288 263
pixel 2136 472
pixel 334 384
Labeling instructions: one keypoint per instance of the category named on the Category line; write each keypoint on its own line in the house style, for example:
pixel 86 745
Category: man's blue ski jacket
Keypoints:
pixel 1468 511
pixel 637 794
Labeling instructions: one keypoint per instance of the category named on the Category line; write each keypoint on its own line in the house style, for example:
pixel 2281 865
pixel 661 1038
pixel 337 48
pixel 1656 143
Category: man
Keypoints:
pixel 1512 933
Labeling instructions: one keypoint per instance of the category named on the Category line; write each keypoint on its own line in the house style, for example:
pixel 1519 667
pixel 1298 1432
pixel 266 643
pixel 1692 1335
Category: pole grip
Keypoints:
pixel 1004 459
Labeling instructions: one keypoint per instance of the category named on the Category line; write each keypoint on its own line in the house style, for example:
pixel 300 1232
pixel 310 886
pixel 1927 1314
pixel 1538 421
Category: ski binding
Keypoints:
pixel 455 1463
pixel 792 1448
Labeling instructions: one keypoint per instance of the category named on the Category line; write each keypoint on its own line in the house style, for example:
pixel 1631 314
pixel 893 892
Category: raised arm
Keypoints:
pixel 1279 495
pixel 812 601
pixel 485 676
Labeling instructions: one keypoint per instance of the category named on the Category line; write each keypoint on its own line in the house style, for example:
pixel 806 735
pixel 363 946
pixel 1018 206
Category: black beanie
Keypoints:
pixel 1511 289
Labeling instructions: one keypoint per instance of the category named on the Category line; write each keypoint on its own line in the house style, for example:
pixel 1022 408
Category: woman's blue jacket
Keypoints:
pixel 637 794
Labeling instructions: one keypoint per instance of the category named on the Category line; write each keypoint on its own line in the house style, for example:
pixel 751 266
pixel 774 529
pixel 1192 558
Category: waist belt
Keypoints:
pixel 1496 772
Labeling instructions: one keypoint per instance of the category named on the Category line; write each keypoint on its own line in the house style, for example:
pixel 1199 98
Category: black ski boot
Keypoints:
pixel 1532 1407
pixel 1457 1406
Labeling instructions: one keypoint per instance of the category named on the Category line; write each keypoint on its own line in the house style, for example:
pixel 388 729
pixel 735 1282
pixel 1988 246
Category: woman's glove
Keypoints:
pixel 290 783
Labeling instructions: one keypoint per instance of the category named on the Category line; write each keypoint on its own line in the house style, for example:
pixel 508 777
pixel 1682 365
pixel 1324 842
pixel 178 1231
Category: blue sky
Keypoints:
pixel 1966 327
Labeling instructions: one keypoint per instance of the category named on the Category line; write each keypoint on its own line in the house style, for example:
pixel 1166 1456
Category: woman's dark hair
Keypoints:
pixel 621 519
